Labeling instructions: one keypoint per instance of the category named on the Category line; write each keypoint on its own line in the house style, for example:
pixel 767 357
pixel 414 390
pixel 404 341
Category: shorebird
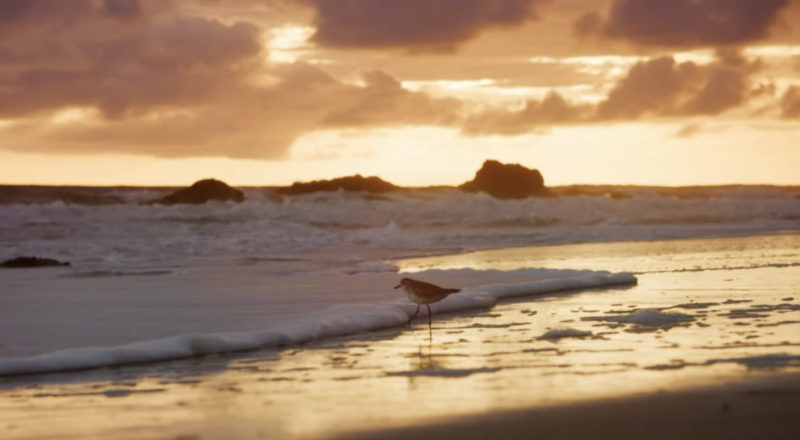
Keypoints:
pixel 421 293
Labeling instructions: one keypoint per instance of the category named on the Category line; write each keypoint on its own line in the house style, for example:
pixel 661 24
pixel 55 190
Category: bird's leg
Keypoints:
pixel 430 332
pixel 413 316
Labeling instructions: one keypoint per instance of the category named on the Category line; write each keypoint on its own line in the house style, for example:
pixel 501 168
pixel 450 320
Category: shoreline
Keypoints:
pixel 359 320
pixel 720 236
pixel 569 255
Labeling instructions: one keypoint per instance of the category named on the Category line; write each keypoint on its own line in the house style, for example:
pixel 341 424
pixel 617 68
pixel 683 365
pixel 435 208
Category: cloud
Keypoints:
pixel 688 130
pixel 415 24
pixel 249 121
pixel 657 87
pixel 144 77
pixel 15 13
pixel 383 101
pixel 156 77
pixel 684 23
pixel 552 110
pixel 162 61
pixel 122 8
pixel 664 87
pixel 790 103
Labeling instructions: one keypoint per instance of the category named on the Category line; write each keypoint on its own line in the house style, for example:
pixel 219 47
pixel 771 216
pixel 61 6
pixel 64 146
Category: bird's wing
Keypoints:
pixel 423 284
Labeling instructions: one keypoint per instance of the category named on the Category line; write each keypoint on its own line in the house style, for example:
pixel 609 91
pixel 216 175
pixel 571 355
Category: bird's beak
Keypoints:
pixel 398 286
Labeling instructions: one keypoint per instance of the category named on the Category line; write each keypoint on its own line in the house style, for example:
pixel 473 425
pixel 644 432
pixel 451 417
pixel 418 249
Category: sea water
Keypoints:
pixel 151 282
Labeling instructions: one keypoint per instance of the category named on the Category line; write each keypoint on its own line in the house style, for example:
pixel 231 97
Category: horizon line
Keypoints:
pixel 129 185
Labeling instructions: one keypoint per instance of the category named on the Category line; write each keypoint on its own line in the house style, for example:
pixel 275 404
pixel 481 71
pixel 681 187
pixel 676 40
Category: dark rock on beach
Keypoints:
pixel 507 181
pixel 28 262
pixel 370 184
pixel 203 191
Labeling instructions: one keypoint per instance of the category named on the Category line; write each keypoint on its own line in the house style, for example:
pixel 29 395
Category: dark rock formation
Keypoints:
pixel 618 195
pixel 76 195
pixel 27 262
pixel 370 184
pixel 507 181
pixel 203 191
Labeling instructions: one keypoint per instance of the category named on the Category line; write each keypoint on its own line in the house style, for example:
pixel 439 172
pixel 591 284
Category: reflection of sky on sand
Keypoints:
pixel 672 330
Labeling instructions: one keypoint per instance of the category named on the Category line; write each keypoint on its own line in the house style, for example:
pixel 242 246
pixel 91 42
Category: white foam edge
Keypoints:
pixel 343 321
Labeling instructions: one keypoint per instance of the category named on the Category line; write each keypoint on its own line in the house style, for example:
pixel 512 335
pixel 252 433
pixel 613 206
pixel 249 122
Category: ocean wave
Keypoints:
pixel 346 224
pixel 338 322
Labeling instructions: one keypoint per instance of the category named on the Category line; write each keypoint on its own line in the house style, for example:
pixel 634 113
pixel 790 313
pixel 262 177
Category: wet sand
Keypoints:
pixel 713 353
pixel 756 409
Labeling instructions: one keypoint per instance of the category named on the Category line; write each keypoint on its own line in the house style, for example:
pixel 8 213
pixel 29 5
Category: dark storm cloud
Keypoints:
pixel 416 24
pixel 684 23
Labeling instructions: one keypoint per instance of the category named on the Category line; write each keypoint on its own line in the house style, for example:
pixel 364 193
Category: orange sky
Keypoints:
pixel 265 92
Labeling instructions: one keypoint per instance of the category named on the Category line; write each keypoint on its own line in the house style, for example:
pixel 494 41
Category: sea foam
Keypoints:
pixel 337 321
pixel 424 221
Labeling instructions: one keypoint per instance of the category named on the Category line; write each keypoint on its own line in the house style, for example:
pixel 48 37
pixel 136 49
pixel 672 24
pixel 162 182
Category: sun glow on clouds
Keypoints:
pixel 597 60
pixel 621 61
pixel 91 115
pixel 777 51
pixel 480 93
pixel 483 87
pixel 74 115
pixel 452 85
pixel 288 44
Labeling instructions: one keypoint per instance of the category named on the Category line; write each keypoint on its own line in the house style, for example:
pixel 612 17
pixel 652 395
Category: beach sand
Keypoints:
pixel 762 409
pixel 711 351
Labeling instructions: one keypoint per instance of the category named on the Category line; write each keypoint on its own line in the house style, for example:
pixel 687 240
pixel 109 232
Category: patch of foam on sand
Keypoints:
pixel 338 321
pixel 648 318
pixel 561 333
pixel 766 361
pixel 444 372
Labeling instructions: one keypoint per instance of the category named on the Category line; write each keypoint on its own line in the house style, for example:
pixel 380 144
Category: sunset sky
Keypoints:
pixel 419 92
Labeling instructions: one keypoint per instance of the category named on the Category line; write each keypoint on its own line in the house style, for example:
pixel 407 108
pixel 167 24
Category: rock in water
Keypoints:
pixel 28 262
pixel 370 184
pixel 203 191
pixel 507 181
